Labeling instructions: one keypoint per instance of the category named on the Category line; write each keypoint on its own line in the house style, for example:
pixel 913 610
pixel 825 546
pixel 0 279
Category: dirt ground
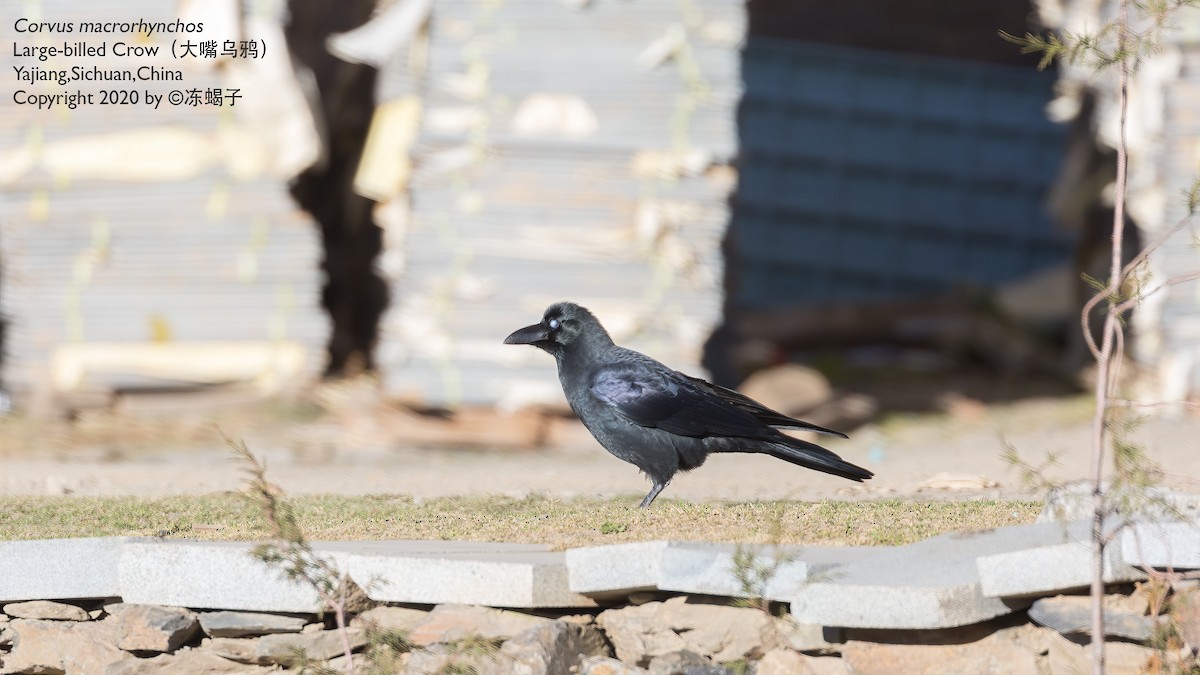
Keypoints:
pixel 955 454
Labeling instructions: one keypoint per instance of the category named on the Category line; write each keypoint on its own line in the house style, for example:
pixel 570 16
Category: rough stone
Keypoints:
pixel 825 665
pixel 683 663
pixel 327 644
pixel 77 648
pixel 390 618
pixel 602 665
pixel 930 584
pixel 807 637
pixel 997 654
pixel 719 632
pixel 1163 545
pixel 789 388
pixel 394 663
pixel 241 624
pixel 1065 656
pixel 554 647
pixel 1185 612
pixel 782 662
pixel 59 569
pixel 1072 614
pixel 242 650
pixel 447 623
pixel 183 662
pixel 439 658
pixel 45 610
pixel 6 634
pixel 152 628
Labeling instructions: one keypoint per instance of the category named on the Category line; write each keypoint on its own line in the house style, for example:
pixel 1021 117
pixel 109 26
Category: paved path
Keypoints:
pixel 905 456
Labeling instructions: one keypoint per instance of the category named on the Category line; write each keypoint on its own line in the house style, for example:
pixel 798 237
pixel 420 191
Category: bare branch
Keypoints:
pixel 1125 403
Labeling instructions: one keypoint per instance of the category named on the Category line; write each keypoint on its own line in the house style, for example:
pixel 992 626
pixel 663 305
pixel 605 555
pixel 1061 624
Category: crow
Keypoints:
pixel 659 419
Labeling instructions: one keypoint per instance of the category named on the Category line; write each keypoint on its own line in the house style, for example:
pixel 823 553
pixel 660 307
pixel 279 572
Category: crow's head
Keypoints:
pixel 564 325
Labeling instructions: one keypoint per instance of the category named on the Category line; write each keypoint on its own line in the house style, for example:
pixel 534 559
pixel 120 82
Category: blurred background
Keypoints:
pixel 856 212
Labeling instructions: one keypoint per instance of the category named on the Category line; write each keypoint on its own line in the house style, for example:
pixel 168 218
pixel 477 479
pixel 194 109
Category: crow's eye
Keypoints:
pixel 554 324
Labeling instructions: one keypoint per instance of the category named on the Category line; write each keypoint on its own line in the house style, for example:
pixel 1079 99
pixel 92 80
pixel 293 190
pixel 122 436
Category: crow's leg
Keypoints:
pixel 658 487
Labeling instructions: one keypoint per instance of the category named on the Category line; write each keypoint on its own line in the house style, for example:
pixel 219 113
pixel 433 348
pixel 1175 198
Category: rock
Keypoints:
pixel 1185 612
pixel 241 624
pixel 242 650
pixel 45 610
pixel 824 665
pixel 782 662
pixel 953 482
pixel 447 623
pixel 390 618
pixel 58 647
pixel 396 663
pixel 6 635
pixel 1065 656
pixel 440 658
pixel 684 663
pixel 1072 614
pixel 789 388
pixel 1137 602
pixel 602 665
pixel 581 619
pixel 1000 653
pixel 719 632
pixel 554 647
pixel 810 638
pixel 282 647
pixel 183 662
pixel 152 628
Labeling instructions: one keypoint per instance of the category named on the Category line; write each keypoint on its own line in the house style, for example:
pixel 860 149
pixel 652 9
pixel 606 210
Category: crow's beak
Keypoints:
pixel 528 335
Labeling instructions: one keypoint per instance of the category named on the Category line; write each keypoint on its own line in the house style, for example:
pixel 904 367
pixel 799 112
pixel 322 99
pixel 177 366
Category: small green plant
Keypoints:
pixel 291 553
pixel 385 649
pixel 298 661
pixel 468 650
pixel 1121 42
pixel 754 572
pixel 475 646
pixel 613 528
pixel 738 667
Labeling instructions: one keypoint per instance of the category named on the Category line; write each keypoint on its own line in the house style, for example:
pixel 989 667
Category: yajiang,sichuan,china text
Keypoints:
pixel 63 76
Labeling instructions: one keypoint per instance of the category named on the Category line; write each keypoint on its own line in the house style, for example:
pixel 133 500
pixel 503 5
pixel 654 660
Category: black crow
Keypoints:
pixel 659 419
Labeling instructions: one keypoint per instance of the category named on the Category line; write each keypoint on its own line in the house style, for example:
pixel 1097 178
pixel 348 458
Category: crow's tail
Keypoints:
pixel 813 456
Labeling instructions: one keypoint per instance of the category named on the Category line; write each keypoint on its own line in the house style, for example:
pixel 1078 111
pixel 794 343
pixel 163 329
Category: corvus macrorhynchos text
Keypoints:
pixel 659 419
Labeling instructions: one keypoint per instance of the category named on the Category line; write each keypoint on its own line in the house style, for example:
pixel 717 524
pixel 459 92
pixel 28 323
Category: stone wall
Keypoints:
pixel 680 634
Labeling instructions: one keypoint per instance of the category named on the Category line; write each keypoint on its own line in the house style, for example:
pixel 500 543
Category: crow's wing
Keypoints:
pixel 652 395
pixel 763 413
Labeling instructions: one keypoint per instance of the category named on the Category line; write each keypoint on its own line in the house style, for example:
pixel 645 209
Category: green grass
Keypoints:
pixel 543 520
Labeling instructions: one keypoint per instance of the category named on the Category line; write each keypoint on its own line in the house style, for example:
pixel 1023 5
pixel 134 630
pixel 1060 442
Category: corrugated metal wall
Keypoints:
pixel 1173 350
pixel 868 175
pixel 554 163
pixel 126 224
